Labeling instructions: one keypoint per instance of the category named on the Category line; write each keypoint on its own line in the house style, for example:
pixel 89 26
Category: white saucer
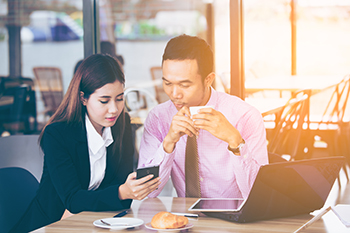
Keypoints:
pixel 129 223
pixel 187 226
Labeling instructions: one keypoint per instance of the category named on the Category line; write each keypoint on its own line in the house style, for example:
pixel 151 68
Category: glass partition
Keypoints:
pixel 140 30
pixel 318 48
pixel 46 41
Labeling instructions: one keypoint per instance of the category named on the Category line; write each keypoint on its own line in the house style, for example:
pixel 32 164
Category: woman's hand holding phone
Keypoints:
pixel 138 189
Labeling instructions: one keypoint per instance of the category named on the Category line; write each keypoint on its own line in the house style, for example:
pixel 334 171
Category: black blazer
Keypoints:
pixel 66 176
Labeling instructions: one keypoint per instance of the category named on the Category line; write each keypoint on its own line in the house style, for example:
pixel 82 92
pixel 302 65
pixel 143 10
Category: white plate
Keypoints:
pixel 129 222
pixel 187 226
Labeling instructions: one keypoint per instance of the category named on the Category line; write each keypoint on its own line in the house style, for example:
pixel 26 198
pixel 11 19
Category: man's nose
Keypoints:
pixel 176 92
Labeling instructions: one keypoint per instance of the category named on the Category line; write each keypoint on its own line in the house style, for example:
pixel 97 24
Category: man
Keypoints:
pixel 231 137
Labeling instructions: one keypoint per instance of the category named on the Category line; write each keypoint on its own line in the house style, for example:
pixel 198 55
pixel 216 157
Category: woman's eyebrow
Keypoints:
pixel 107 96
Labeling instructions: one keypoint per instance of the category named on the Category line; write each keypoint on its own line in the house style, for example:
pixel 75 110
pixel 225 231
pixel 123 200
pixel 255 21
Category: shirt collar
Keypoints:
pixel 95 140
pixel 213 97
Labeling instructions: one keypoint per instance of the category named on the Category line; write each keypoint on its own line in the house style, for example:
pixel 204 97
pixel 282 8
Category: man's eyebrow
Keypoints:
pixel 183 81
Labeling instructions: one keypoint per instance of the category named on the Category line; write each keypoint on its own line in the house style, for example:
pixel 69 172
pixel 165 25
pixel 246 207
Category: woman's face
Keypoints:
pixel 105 105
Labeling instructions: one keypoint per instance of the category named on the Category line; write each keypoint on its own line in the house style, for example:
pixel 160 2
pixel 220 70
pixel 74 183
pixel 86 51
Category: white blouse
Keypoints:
pixel 97 152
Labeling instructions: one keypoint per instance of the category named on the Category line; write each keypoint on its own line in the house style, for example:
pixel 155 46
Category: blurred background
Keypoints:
pixel 52 35
pixel 270 53
pixel 288 58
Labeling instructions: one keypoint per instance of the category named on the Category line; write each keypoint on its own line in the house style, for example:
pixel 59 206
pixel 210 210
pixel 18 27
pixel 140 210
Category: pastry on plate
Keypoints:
pixel 166 220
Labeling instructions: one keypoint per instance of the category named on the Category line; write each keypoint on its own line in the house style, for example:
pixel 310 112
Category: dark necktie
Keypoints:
pixel 193 188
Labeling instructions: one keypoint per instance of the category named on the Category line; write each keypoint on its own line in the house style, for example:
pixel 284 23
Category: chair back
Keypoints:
pixel 287 135
pixel 334 123
pixel 157 75
pixel 137 99
pixel 20 97
pixel 18 188
pixel 312 125
pixel 50 84
pixel 22 111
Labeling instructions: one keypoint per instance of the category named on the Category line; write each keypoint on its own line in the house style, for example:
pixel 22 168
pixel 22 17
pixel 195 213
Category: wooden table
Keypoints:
pixel 145 210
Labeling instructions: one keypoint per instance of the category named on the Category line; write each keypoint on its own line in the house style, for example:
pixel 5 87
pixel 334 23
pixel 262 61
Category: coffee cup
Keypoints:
pixel 194 110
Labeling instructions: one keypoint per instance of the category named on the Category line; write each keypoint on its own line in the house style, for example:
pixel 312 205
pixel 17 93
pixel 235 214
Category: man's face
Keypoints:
pixel 183 84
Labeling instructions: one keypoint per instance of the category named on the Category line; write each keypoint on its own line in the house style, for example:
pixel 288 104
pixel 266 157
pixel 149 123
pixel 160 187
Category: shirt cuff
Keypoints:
pixel 244 153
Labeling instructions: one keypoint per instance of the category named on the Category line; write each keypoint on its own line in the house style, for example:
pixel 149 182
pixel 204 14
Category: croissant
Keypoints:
pixel 166 220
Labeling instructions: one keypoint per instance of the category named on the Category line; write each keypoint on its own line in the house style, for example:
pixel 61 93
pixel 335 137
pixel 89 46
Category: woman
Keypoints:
pixel 88 150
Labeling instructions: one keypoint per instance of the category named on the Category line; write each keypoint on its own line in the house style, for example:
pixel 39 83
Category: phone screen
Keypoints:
pixel 142 172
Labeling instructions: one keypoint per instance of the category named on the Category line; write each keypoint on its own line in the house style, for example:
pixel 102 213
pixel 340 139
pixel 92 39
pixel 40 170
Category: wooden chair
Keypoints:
pixel 316 125
pixel 137 99
pixel 157 74
pixel 334 127
pixel 50 84
pixel 329 117
pixel 287 136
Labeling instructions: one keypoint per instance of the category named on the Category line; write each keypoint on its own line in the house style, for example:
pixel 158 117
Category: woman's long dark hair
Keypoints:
pixel 94 72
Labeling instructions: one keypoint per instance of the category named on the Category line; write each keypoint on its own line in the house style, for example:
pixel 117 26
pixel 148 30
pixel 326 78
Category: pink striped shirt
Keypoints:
pixel 222 174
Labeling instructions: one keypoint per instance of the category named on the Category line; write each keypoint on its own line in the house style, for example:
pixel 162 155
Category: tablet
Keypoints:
pixel 217 205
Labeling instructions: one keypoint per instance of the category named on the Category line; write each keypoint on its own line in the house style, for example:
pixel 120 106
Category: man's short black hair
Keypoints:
pixel 190 47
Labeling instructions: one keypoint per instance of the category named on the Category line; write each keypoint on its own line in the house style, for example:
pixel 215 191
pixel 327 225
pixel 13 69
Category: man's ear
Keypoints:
pixel 82 99
pixel 209 79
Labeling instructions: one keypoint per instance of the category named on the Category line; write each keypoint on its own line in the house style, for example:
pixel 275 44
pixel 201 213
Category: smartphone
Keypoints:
pixel 142 172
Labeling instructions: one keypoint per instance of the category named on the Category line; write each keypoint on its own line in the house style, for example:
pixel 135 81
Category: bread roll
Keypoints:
pixel 166 220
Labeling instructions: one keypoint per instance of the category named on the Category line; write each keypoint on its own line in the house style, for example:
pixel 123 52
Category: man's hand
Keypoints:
pixel 138 189
pixel 216 123
pixel 180 125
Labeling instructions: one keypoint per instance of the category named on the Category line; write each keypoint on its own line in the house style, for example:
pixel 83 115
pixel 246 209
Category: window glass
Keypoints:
pixel 140 30
pixel 267 38
pixel 321 42
pixel 3 40
pixel 51 35
pixel 321 37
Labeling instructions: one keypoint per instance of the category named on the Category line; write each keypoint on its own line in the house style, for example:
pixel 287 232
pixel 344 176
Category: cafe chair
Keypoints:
pixel 316 125
pixel 157 75
pixel 19 115
pixel 286 136
pixel 18 188
pixel 49 80
pixel 137 99
pixel 333 127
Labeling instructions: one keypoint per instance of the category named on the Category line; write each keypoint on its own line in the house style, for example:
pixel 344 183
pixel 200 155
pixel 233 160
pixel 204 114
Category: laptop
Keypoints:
pixel 279 190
